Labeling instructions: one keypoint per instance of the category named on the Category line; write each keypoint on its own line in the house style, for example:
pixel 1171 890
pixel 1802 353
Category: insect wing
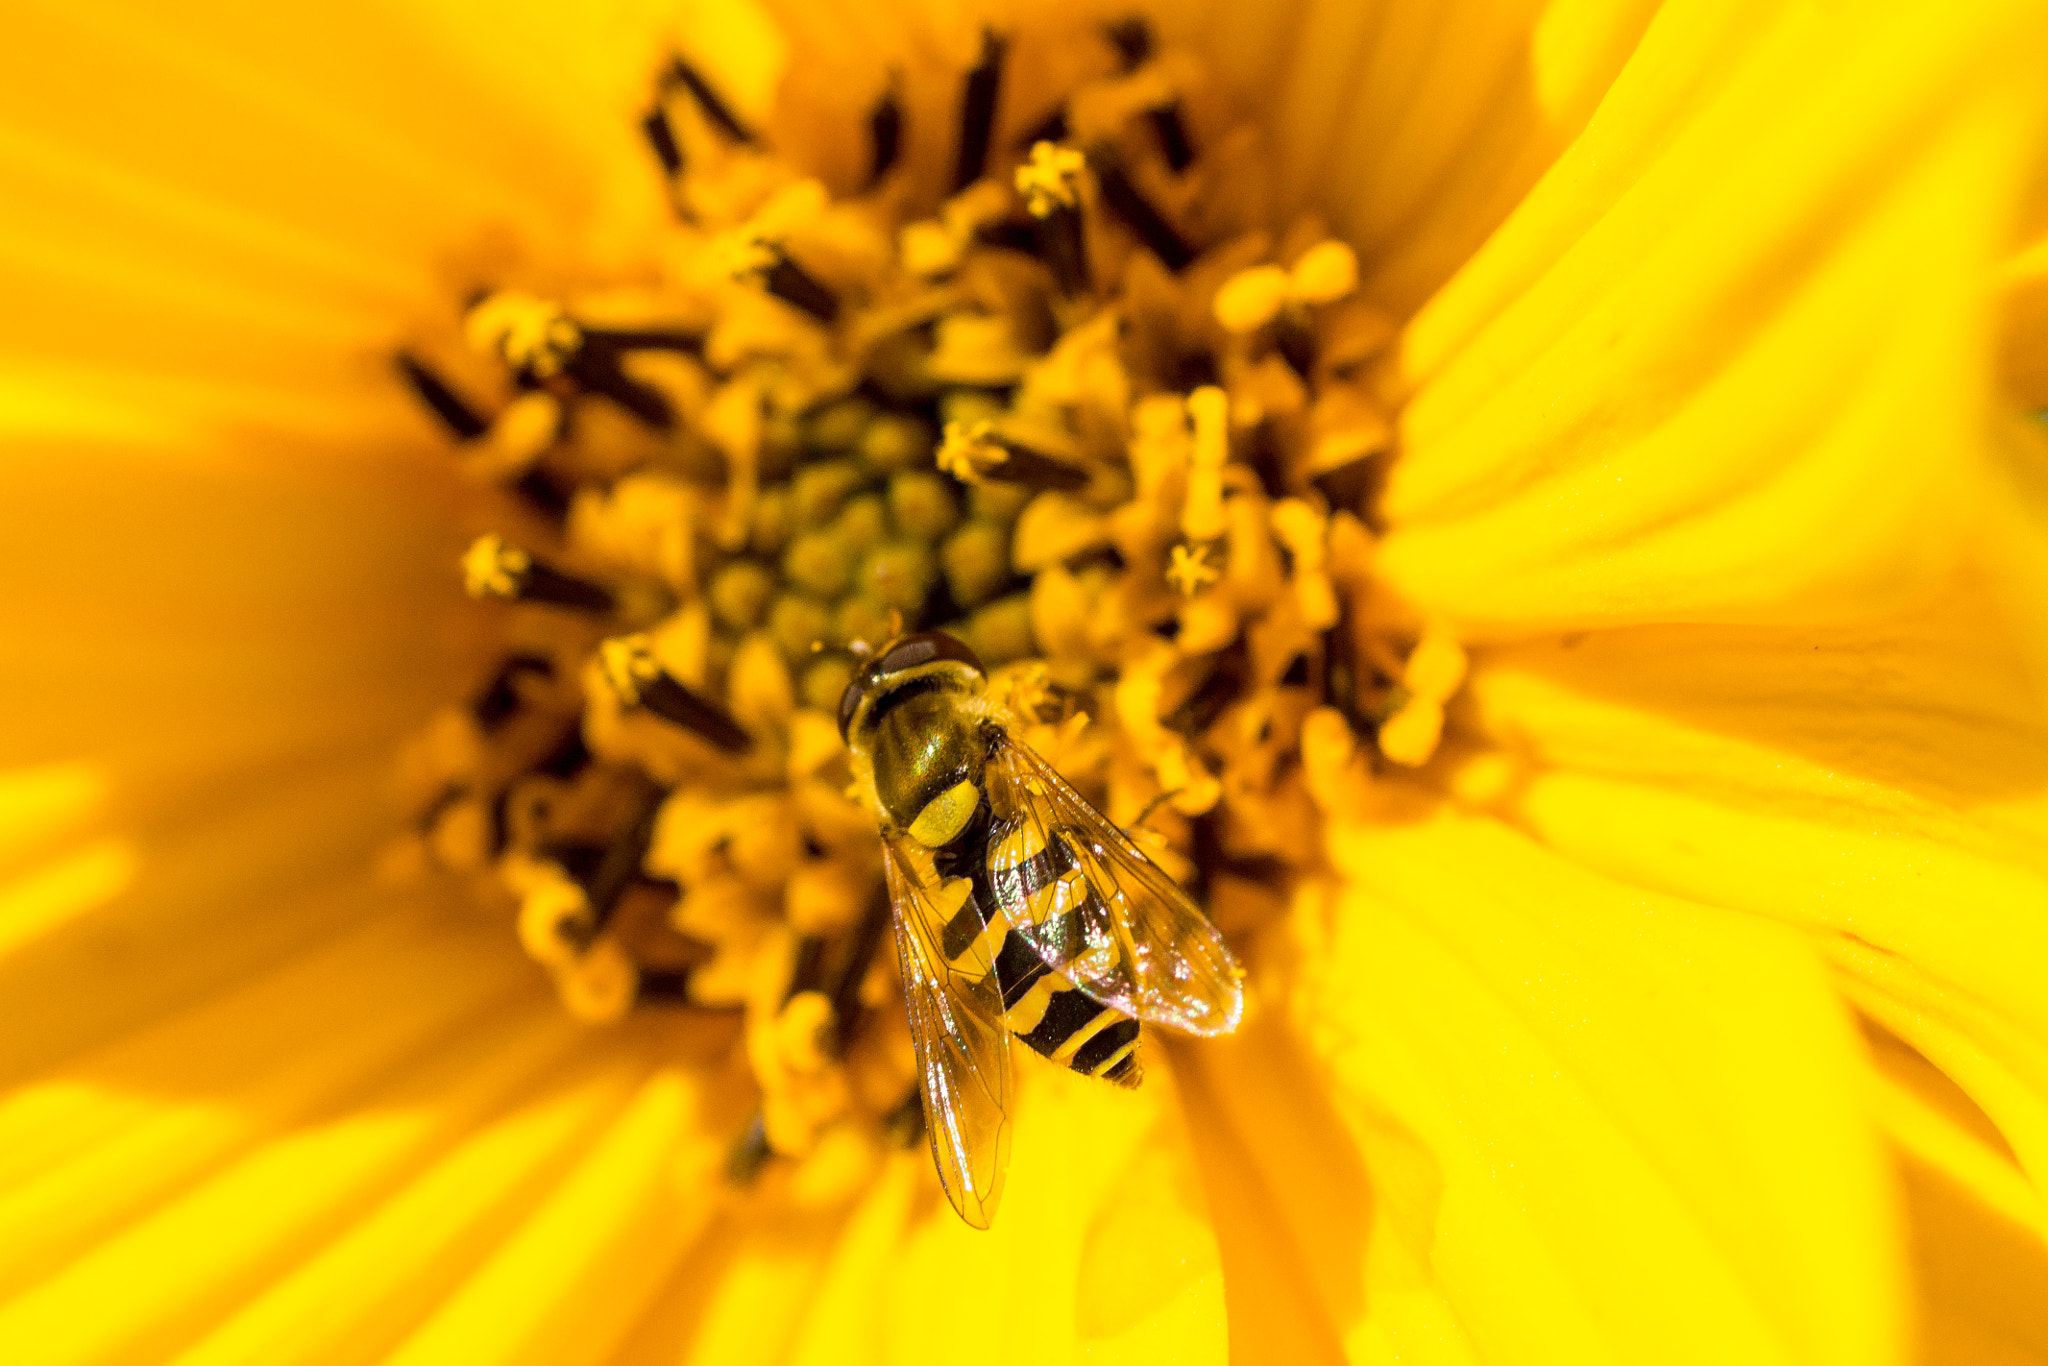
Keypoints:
pixel 963 1049
pixel 1135 941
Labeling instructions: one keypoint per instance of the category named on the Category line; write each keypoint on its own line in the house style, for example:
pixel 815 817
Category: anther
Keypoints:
pixel 499 700
pixel 1127 202
pixel 905 1124
pixel 715 109
pixel 630 668
pixel 663 987
pixel 1172 131
pixel 750 1152
pixel 644 339
pixel 974 453
pixel 1051 185
pixel 605 880
pixel 493 569
pixel 1131 36
pixel 662 138
pixel 978 110
pixel 462 421
pixel 595 367
pixel 786 280
pixel 885 135
pixel 1052 128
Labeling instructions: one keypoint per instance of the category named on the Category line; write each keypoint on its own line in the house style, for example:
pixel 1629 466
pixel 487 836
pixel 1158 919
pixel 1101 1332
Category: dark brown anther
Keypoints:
pixel 569 757
pixel 1296 345
pixel 809 970
pixel 644 339
pixel 595 368
pixel 1026 466
pixel 605 880
pixel 749 1153
pixel 1131 36
pixel 1172 131
pixel 976 452
pixel 1124 199
pixel 493 569
pixel 463 422
pixel 662 138
pixel 499 700
pixel 978 110
pixel 663 987
pixel 715 109
pixel 1063 246
pixel 794 285
pixel 673 702
pixel 844 988
pixel 1052 128
pixel 637 677
pixel 885 135
pixel 905 1123
pixel 539 491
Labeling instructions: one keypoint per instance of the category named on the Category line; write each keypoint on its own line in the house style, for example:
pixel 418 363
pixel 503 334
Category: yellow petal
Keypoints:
pixel 571 1281
pixel 149 1287
pixel 1754 385
pixel 1999 1065
pixel 1103 1248
pixel 1890 780
pixel 362 1292
pixel 1592 1068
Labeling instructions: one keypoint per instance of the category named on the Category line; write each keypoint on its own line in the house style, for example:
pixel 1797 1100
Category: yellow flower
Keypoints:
pixel 1666 983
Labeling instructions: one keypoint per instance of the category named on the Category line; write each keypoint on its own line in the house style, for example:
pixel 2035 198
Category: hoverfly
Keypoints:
pixel 1019 909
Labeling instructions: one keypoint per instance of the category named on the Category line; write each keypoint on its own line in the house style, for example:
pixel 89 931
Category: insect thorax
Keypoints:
pixel 925 741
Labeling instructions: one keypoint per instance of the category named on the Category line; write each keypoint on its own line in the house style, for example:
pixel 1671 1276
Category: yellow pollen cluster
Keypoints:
pixel 1084 409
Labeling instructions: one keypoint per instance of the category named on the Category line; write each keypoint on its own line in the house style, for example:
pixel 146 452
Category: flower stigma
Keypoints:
pixel 1072 399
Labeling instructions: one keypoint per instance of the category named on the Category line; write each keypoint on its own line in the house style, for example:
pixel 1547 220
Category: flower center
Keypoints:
pixel 1076 406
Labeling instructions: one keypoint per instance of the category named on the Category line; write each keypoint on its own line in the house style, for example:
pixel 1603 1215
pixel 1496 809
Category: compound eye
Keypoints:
pixel 926 647
pixel 849 701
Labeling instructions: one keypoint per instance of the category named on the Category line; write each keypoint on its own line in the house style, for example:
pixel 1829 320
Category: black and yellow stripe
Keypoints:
pixel 1044 891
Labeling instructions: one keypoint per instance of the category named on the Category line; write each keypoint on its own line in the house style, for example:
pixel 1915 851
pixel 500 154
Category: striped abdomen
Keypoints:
pixel 1040 1006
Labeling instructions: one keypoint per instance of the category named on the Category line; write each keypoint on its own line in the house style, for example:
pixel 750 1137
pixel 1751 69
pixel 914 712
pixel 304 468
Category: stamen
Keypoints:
pixel 714 109
pixel 499 700
pixel 905 1124
pixel 597 369
pixel 1172 132
pixel 662 138
pixel 978 110
pixel 785 279
pixel 750 1152
pixel 1052 128
pixel 975 452
pixel 1127 202
pixel 644 339
pixel 1131 36
pixel 462 421
pixel 885 135
pixel 493 569
pixel 1051 185
pixel 629 665
pixel 620 862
